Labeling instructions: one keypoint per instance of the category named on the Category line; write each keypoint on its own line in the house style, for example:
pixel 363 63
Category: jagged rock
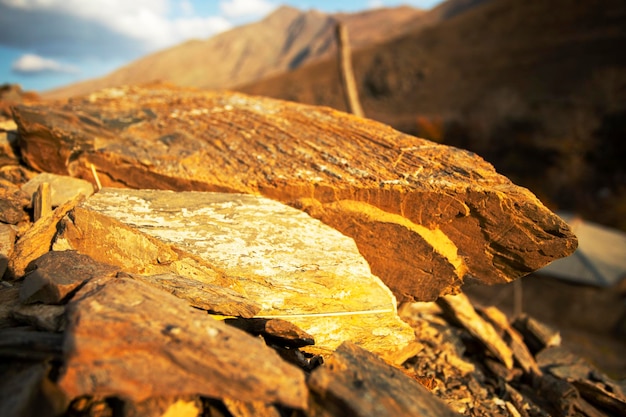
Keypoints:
pixel 357 383
pixel 593 385
pixel 427 217
pixel 9 300
pixel 125 338
pixel 45 317
pixel 7 243
pixel 514 340
pixel 26 343
pixel 16 174
pixel 26 390
pixel 275 331
pixel 37 240
pixel 460 309
pixel 212 298
pixel 12 203
pixel 537 335
pixel 62 187
pixel 55 275
pixel 293 266
pixel 8 145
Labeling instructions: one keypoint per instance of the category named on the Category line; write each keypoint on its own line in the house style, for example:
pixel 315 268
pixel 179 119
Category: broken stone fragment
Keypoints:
pixel 50 318
pixel 26 390
pixel 460 310
pixel 12 203
pixel 213 298
pixel 8 146
pixel 37 240
pixel 7 242
pixel 295 267
pixel 357 383
pixel 63 188
pixel 427 217
pixel 276 331
pixel 55 275
pixel 123 333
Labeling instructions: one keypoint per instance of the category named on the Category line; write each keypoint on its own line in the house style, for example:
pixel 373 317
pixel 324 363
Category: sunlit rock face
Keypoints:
pixel 293 266
pixel 426 217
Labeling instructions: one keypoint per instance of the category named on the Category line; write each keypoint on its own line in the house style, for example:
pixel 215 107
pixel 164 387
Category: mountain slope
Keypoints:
pixel 538 50
pixel 284 40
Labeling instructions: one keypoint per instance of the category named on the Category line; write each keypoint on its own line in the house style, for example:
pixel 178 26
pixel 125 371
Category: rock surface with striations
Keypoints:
pixel 293 266
pixel 427 217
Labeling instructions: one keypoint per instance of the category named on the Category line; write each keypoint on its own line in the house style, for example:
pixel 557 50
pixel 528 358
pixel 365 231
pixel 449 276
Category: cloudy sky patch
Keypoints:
pixel 31 64
pixel 246 8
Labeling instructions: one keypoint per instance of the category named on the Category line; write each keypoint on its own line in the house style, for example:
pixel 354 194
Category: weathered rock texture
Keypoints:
pixel 115 347
pixel 62 188
pixel 293 266
pixel 354 382
pixel 427 217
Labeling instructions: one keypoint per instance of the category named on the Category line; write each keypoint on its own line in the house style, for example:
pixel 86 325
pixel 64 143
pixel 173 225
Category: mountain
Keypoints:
pixel 286 39
pixel 537 88
pixel 538 50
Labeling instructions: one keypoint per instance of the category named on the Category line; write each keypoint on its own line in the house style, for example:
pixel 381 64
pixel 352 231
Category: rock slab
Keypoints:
pixel 128 339
pixel 355 382
pixel 293 266
pixel 427 217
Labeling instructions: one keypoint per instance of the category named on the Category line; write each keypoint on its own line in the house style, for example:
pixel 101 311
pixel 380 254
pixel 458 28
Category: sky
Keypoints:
pixel 49 43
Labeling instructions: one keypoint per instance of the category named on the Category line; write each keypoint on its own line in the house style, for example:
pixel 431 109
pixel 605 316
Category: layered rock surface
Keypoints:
pixel 426 217
pixel 295 267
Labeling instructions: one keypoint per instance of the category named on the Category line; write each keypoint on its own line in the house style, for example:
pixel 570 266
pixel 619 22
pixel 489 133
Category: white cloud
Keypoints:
pixel 102 27
pixel 33 64
pixel 375 4
pixel 246 8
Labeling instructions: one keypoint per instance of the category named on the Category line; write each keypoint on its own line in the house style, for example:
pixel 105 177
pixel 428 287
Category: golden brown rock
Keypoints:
pixel 7 242
pixel 205 296
pixel 52 277
pixel 426 216
pixel 354 382
pixel 460 309
pixel 128 339
pixel 293 266
pixel 37 240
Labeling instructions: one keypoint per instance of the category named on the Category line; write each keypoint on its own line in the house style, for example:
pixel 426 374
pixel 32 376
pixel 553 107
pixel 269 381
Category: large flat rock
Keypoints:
pixel 292 265
pixel 126 338
pixel 426 216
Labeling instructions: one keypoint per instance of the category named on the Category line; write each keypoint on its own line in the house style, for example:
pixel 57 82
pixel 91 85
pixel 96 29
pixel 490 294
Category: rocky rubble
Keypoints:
pixel 159 303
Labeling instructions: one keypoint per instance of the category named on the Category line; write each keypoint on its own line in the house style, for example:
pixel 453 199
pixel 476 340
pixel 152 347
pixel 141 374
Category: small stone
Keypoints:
pixel 55 275
pixel 276 331
pixel 62 187
pixel 358 383
pixel 7 243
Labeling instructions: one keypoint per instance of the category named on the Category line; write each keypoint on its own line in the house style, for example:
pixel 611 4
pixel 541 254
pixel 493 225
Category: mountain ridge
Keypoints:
pixel 283 41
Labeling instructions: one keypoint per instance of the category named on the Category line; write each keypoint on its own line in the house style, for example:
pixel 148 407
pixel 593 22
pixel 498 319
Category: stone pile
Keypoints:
pixel 144 302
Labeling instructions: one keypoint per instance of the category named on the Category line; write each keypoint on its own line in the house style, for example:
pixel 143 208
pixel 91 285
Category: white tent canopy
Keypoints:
pixel 600 259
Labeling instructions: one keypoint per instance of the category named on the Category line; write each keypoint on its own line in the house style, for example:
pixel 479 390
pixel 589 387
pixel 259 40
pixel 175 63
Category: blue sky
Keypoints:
pixel 48 43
